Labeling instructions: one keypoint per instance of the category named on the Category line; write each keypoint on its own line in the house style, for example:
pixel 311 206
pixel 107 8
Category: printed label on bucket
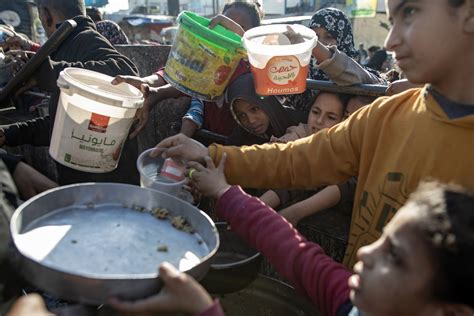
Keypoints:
pixel 282 75
pixel 283 70
pixel 99 123
pixel 198 68
pixel 93 144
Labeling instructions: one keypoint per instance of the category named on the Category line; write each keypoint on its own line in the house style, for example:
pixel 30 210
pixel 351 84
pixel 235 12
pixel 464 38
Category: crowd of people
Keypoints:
pixel 402 160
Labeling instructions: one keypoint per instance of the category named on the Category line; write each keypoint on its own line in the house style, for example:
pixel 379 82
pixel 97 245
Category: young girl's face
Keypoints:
pixel 394 274
pixel 324 36
pixel 426 36
pixel 251 117
pixel 325 113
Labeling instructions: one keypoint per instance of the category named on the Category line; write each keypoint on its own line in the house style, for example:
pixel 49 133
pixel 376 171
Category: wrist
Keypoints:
pixel 201 305
pixel 222 191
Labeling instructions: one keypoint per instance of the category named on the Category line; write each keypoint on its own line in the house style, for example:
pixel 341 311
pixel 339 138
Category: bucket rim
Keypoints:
pixel 127 101
pixel 189 16
pixel 284 50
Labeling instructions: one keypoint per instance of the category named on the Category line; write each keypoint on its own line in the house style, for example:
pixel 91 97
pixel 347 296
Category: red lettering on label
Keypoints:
pixel 281 69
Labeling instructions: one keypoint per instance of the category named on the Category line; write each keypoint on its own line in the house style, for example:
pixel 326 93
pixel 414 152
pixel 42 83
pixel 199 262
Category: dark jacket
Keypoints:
pixel 84 48
pixel 280 117
pixel 8 203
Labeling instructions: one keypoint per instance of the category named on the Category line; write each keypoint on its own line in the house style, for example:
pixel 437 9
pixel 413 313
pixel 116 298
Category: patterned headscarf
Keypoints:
pixel 338 25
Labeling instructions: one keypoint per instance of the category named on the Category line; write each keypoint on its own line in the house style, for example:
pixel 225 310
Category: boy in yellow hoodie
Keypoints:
pixel 390 145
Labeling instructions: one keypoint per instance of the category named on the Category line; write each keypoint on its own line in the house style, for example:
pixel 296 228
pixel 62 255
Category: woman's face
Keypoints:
pixel 326 112
pixel 394 274
pixel 251 117
pixel 324 36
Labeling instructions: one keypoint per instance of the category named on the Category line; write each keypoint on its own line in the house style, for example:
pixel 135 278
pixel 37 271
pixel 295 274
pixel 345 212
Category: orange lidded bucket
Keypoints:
pixel 279 67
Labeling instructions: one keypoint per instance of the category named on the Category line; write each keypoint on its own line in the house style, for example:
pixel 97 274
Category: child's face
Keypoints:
pixel 353 105
pixel 426 36
pixel 394 274
pixel 251 117
pixel 325 112
pixel 324 36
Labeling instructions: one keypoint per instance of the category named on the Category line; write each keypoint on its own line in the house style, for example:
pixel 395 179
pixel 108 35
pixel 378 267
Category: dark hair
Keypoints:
pixel 448 231
pixel 377 60
pixel 373 49
pixel 67 8
pixel 94 14
pixel 343 97
pixel 251 8
pixel 456 3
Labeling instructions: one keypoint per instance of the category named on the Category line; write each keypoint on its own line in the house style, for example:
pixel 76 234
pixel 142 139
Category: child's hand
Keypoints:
pixel 29 305
pixel 131 80
pixel 209 181
pixel 295 38
pixel 181 293
pixel 227 23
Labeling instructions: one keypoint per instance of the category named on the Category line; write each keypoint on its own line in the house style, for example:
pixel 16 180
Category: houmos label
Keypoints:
pixel 281 75
pixel 283 70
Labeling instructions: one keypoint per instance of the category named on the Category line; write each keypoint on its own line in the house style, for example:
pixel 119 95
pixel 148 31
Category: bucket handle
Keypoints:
pixel 62 84
pixel 188 24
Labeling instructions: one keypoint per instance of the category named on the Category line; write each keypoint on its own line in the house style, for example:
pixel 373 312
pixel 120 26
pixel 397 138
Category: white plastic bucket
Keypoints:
pixel 279 69
pixel 92 121
pixel 150 168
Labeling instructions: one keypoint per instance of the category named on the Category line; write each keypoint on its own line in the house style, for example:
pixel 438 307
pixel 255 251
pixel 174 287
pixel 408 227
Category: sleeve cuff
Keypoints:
pixel 190 118
pixel 226 198
pixel 11 161
pixel 334 66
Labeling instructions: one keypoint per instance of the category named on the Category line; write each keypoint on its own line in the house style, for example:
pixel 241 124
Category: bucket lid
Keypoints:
pixel 100 85
pixel 280 50
pixel 218 35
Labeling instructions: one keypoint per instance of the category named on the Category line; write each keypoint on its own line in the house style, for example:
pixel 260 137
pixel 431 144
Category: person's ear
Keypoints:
pixel 469 21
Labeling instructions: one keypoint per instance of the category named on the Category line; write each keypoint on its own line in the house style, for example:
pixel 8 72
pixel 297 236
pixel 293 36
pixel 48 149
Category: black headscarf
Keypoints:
pixel 280 117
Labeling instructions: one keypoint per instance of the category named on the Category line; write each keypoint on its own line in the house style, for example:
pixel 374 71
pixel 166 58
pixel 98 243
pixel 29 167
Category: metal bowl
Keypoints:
pixel 266 296
pixel 88 242
pixel 234 266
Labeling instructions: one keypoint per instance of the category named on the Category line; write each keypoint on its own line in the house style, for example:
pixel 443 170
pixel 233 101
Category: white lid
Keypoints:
pixel 100 85
pixel 253 46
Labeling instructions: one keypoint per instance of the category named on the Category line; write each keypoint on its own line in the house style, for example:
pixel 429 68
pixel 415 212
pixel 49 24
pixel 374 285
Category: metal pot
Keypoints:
pixel 234 266
pixel 267 296
pixel 88 242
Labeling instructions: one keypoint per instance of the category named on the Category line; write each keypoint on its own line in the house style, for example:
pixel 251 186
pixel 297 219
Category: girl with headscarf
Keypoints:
pixel 333 56
pixel 258 118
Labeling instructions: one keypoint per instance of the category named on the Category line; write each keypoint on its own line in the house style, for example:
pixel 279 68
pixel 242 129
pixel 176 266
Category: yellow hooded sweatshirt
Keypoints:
pixel 390 146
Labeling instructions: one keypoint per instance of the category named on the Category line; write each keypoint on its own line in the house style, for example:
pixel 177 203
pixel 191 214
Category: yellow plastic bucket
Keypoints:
pixel 202 60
